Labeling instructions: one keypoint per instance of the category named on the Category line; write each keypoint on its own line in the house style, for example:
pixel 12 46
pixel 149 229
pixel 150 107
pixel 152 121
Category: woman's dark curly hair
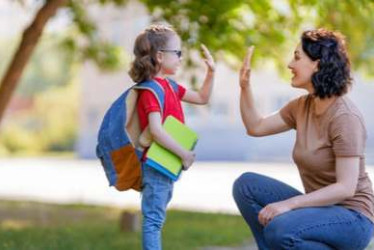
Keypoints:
pixel 147 43
pixel 333 77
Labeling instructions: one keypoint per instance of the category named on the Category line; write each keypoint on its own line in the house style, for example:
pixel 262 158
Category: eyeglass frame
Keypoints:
pixel 177 52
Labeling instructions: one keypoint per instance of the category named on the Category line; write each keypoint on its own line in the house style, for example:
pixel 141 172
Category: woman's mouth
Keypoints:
pixel 293 75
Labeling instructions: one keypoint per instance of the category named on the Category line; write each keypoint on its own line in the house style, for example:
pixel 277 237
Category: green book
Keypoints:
pixel 161 158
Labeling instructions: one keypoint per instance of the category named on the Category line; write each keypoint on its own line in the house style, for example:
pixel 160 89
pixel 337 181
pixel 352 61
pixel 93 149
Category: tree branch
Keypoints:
pixel 28 43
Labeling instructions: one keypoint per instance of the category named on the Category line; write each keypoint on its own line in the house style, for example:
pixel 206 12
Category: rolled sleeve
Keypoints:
pixel 288 113
pixel 148 102
pixel 348 135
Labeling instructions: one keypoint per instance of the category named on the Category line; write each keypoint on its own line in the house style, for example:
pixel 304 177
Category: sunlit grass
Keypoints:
pixel 29 226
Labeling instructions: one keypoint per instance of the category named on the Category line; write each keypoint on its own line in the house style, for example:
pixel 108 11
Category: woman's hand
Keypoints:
pixel 273 209
pixel 187 159
pixel 245 71
pixel 208 59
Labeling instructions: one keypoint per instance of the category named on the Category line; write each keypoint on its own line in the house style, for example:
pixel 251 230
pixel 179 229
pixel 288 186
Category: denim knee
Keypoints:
pixel 151 224
pixel 278 235
pixel 241 186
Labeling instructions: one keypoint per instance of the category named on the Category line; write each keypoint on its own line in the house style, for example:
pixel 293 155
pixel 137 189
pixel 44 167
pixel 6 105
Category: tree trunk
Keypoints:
pixel 29 41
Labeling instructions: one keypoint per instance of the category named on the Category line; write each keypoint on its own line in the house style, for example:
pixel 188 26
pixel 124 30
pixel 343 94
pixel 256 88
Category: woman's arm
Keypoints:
pixel 254 122
pixel 347 171
pixel 203 95
pixel 160 136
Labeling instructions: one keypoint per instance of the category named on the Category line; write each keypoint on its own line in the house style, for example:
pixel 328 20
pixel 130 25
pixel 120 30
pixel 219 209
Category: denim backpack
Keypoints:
pixel 118 145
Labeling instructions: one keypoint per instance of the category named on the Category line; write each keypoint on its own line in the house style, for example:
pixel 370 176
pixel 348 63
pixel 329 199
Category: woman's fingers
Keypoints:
pixel 249 55
pixel 262 216
pixel 248 58
pixel 266 215
pixel 246 67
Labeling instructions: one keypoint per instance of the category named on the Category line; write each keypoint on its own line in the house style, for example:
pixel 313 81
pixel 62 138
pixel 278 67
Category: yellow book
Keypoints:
pixel 161 158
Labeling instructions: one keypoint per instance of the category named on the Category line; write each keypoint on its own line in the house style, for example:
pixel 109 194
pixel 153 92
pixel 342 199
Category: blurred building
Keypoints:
pixel 222 136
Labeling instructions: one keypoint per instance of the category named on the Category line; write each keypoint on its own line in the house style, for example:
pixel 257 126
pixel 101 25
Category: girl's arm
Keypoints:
pixel 347 171
pixel 254 122
pixel 160 136
pixel 203 95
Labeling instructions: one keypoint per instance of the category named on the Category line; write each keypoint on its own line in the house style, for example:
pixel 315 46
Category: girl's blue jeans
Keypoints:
pixel 157 190
pixel 313 228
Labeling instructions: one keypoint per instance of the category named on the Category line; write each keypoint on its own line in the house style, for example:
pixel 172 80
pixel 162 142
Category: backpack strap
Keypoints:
pixel 174 85
pixel 145 138
pixel 156 89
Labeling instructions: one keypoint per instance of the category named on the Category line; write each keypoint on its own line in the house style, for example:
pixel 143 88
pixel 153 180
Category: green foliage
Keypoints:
pixel 272 26
pixel 355 20
pixel 108 56
pixel 41 226
pixel 50 125
pixel 56 112
pixel 49 121
pixel 14 138
pixel 229 27
pixel 49 67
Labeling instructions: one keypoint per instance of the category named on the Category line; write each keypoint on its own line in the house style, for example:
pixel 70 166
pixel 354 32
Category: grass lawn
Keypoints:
pixel 30 225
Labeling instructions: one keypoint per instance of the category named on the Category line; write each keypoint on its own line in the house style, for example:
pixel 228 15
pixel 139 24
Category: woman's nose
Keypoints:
pixel 290 66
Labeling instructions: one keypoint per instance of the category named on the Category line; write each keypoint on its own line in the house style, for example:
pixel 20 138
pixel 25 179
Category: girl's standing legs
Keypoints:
pixel 156 193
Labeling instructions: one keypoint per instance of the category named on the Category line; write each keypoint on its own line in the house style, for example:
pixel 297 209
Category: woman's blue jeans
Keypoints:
pixel 157 190
pixel 314 228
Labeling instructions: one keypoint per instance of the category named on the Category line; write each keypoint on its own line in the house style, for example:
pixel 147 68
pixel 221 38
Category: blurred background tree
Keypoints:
pixel 272 26
pixel 226 27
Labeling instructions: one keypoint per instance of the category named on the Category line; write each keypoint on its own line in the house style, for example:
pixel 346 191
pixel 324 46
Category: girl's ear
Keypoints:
pixel 159 57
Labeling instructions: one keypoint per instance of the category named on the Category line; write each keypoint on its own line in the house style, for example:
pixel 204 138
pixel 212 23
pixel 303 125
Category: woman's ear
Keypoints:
pixel 316 67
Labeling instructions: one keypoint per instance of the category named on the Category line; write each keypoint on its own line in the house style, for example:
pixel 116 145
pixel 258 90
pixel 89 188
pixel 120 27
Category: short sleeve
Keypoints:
pixel 288 113
pixel 348 135
pixel 181 91
pixel 148 102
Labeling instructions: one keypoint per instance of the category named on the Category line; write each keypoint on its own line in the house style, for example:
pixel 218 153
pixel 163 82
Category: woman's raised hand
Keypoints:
pixel 245 71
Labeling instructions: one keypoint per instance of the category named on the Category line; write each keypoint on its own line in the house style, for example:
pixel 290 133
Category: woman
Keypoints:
pixel 336 211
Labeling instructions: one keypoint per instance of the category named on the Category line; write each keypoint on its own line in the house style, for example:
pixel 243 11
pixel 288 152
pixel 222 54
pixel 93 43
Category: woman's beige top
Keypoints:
pixel 320 139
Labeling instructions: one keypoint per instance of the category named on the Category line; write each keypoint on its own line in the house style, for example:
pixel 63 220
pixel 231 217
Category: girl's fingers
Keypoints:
pixel 205 49
pixel 206 52
pixel 249 53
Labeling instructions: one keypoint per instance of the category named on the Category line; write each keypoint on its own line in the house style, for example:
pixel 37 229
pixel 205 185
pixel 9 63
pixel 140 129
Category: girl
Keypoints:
pixel 157 55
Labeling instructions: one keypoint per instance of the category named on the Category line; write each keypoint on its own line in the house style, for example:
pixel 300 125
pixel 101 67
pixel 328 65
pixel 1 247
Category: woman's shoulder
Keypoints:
pixel 300 99
pixel 346 111
pixel 300 103
pixel 345 106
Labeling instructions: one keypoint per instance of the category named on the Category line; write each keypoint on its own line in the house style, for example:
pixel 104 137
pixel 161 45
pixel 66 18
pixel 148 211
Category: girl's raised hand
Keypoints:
pixel 208 59
pixel 245 71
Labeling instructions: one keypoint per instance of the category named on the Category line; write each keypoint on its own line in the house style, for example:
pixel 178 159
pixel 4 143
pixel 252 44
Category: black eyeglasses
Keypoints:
pixel 177 52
